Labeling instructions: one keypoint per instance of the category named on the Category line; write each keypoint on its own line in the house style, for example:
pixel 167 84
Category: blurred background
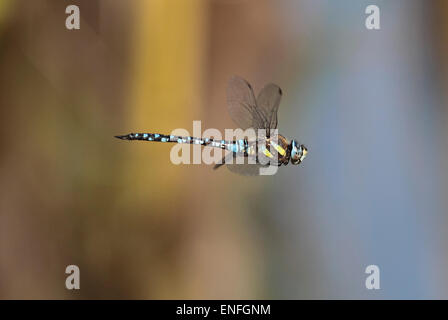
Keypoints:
pixel 369 105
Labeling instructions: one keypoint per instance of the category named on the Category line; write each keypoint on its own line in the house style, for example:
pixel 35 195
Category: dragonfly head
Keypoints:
pixel 298 152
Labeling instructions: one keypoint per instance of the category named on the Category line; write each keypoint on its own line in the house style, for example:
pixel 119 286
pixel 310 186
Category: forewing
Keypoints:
pixel 268 101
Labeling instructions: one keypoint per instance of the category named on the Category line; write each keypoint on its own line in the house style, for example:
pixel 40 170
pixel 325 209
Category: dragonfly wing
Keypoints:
pixel 245 169
pixel 244 165
pixel 268 101
pixel 242 105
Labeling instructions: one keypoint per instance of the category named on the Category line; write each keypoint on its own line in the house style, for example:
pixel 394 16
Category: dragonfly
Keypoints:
pixel 247 155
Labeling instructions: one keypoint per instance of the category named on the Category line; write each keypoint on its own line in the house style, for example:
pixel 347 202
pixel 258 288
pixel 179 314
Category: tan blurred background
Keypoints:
pixel 370 105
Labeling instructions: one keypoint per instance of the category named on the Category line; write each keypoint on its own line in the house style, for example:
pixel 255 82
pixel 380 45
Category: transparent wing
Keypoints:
pixel 247 166
pixel 243 106
pixel 268 101
pixel 242 167
pixel 245 169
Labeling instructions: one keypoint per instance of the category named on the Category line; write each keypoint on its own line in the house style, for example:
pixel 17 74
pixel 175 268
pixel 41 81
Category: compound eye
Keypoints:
pixel 294 152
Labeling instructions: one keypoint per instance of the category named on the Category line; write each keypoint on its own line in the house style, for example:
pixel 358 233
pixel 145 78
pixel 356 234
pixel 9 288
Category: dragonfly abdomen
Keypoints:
pixel 157 137
pixel 145 137
pixel 234 146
